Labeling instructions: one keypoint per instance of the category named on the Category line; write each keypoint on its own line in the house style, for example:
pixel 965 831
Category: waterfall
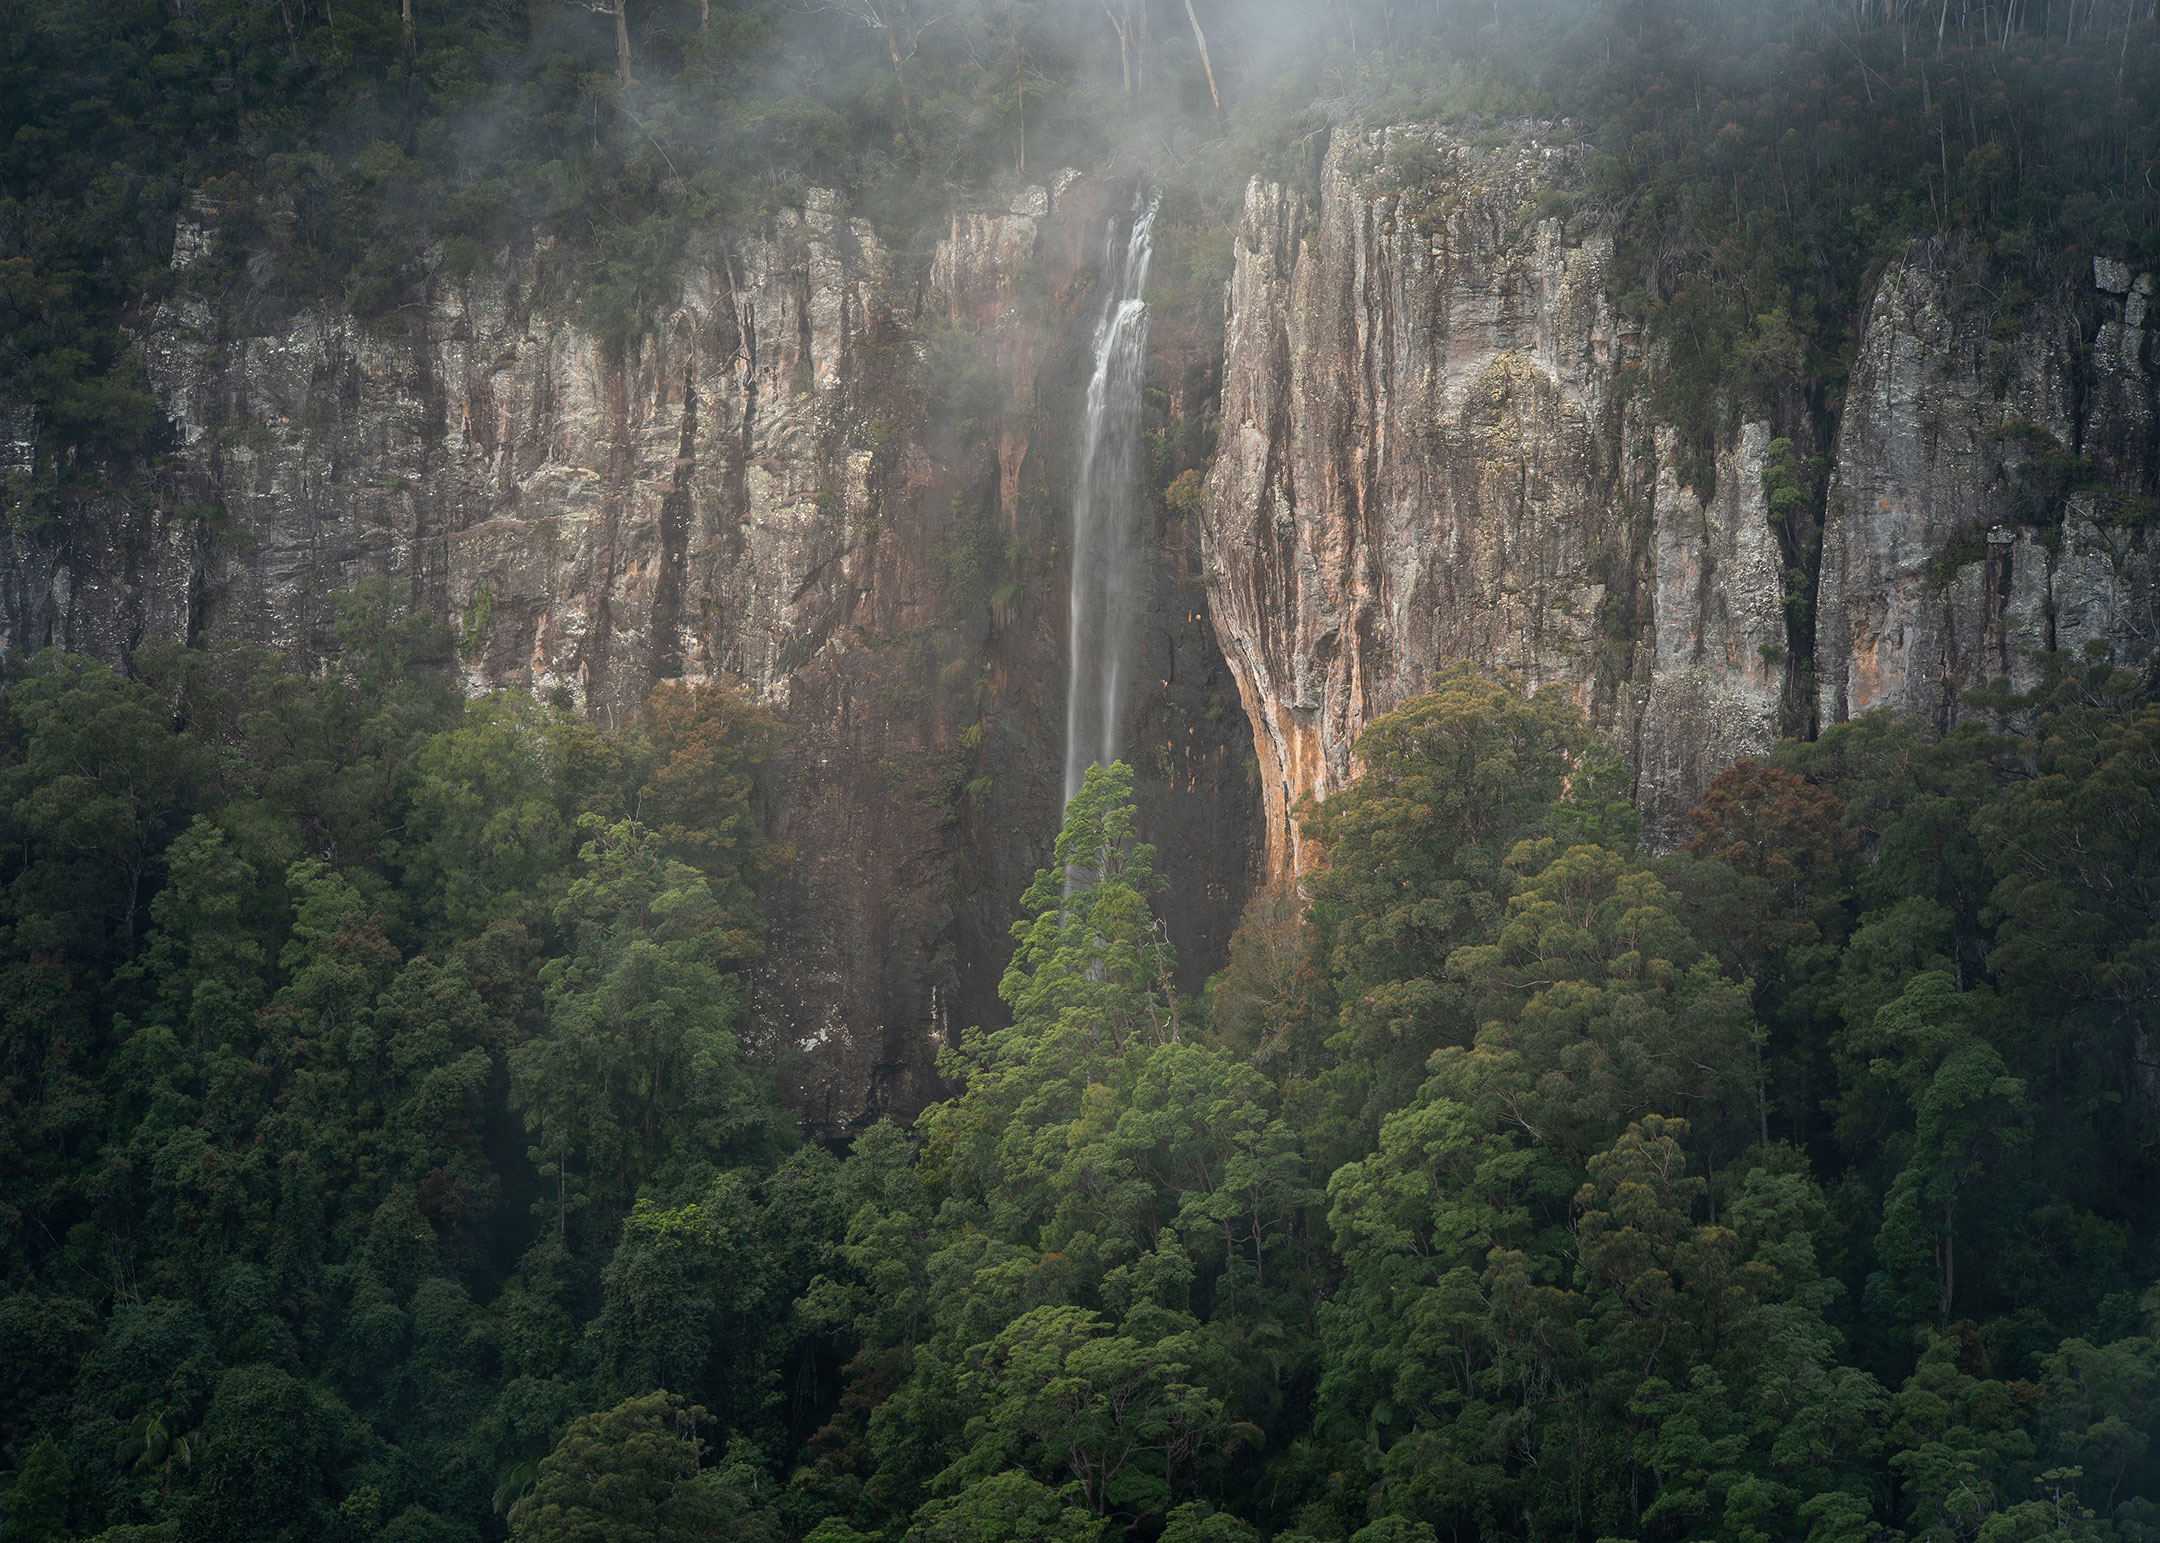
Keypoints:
pixel 1109 569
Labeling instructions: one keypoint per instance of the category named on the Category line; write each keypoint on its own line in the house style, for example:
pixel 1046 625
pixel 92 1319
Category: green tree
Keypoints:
pixel 1604 1006
pixel 1113 1411
pixel 37 1504
pixel 1428 1226
pixel 272 1451
pixel 207 962
pixel 1263 1002
pixel 2075 844
pixel 705 745
pixel 1416 867
pixel 153 1442
pixel 1198 1522
pixel 702 1295
pixel 1967 1112
pixel 2099 1408
pixel 634 1474
pixel 93 796
pixel 1958 1440
pixel 1089 986
pixel 1763 884
pixel 1007 1507
pixel 335 753
pixel 638 1070
pixel 491 827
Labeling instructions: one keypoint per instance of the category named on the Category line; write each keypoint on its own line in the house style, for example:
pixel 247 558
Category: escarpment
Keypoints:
pixel 1426 456
pixel 843 477
pixel 1435 446
pixel 817 470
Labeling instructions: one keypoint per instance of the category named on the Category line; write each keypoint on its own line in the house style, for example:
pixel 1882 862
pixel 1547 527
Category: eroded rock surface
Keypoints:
pixel 1946 564
pixel 1429 452
pixel 765 485
pixel 1432 447
pixel 1423 459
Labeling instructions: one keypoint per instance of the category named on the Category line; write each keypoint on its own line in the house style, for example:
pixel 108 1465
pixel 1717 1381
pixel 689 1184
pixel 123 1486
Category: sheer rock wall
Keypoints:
pixel 1942 567
pixel 760 486
pixel 1434 447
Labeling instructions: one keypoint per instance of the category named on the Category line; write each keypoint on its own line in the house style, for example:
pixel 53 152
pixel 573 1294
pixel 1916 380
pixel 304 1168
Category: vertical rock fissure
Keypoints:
pixel 744 361
pixel 667 618
pixel 615 477
pixel 430 536
pixel 1801 545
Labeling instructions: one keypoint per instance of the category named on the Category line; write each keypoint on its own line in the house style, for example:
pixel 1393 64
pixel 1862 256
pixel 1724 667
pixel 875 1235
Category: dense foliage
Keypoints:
pixel 383 1158
pixel 350 1028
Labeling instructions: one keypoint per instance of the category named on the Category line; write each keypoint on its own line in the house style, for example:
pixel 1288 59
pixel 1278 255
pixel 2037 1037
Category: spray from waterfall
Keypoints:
pixel 1109 568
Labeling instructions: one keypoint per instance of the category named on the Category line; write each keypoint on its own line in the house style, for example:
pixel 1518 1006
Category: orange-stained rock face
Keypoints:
pixel 1431 451
pixel 1424 458
pixel 1431 447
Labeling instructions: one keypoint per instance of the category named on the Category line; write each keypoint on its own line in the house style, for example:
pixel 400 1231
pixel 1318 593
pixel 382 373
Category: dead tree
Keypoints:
pixel 1200 40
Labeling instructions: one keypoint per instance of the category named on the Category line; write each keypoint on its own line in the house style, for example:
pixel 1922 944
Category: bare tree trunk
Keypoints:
pixel 1200 38
pixel 1019 85
pixel 1946 1265
pixel 1139 62
pixel 1169 989
pixel 1121 21
pixel 622 41
pixel 411 37
pixel 907 103
pixel 881 18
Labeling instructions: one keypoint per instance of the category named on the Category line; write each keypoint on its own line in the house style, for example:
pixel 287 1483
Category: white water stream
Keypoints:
pixel 1109 552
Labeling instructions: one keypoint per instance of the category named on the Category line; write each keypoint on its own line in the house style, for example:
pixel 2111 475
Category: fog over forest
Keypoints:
pixel 569 972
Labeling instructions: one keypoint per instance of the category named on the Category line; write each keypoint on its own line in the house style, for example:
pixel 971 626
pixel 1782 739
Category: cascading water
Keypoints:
pixel 1109 569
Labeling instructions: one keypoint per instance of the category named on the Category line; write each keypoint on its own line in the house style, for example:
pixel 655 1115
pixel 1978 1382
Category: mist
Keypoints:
pixel 703 111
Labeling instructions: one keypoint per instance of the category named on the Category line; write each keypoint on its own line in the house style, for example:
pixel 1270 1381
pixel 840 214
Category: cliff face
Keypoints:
pixel 1430 451
pixel 846 484
pixel 694 506
pixel 773 483
pixel 1031 322
pixel 1950 557
pixel 1424 458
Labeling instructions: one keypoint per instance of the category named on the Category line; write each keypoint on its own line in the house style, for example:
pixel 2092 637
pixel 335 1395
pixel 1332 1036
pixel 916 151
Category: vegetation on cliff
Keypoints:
pixel 389 1150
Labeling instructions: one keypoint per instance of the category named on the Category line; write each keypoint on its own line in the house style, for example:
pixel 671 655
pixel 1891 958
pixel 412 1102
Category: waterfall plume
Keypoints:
pixel 1109 569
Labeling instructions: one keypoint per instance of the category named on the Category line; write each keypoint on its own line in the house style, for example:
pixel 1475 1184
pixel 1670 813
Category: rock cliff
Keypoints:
pixel 1426 456
pixel 1961 539
pixel 841 477
pixel 784 480
pixel 1435 446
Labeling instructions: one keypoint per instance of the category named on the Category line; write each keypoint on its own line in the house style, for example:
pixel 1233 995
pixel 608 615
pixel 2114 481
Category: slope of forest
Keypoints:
pixel 388 1150
pixel 381 1161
